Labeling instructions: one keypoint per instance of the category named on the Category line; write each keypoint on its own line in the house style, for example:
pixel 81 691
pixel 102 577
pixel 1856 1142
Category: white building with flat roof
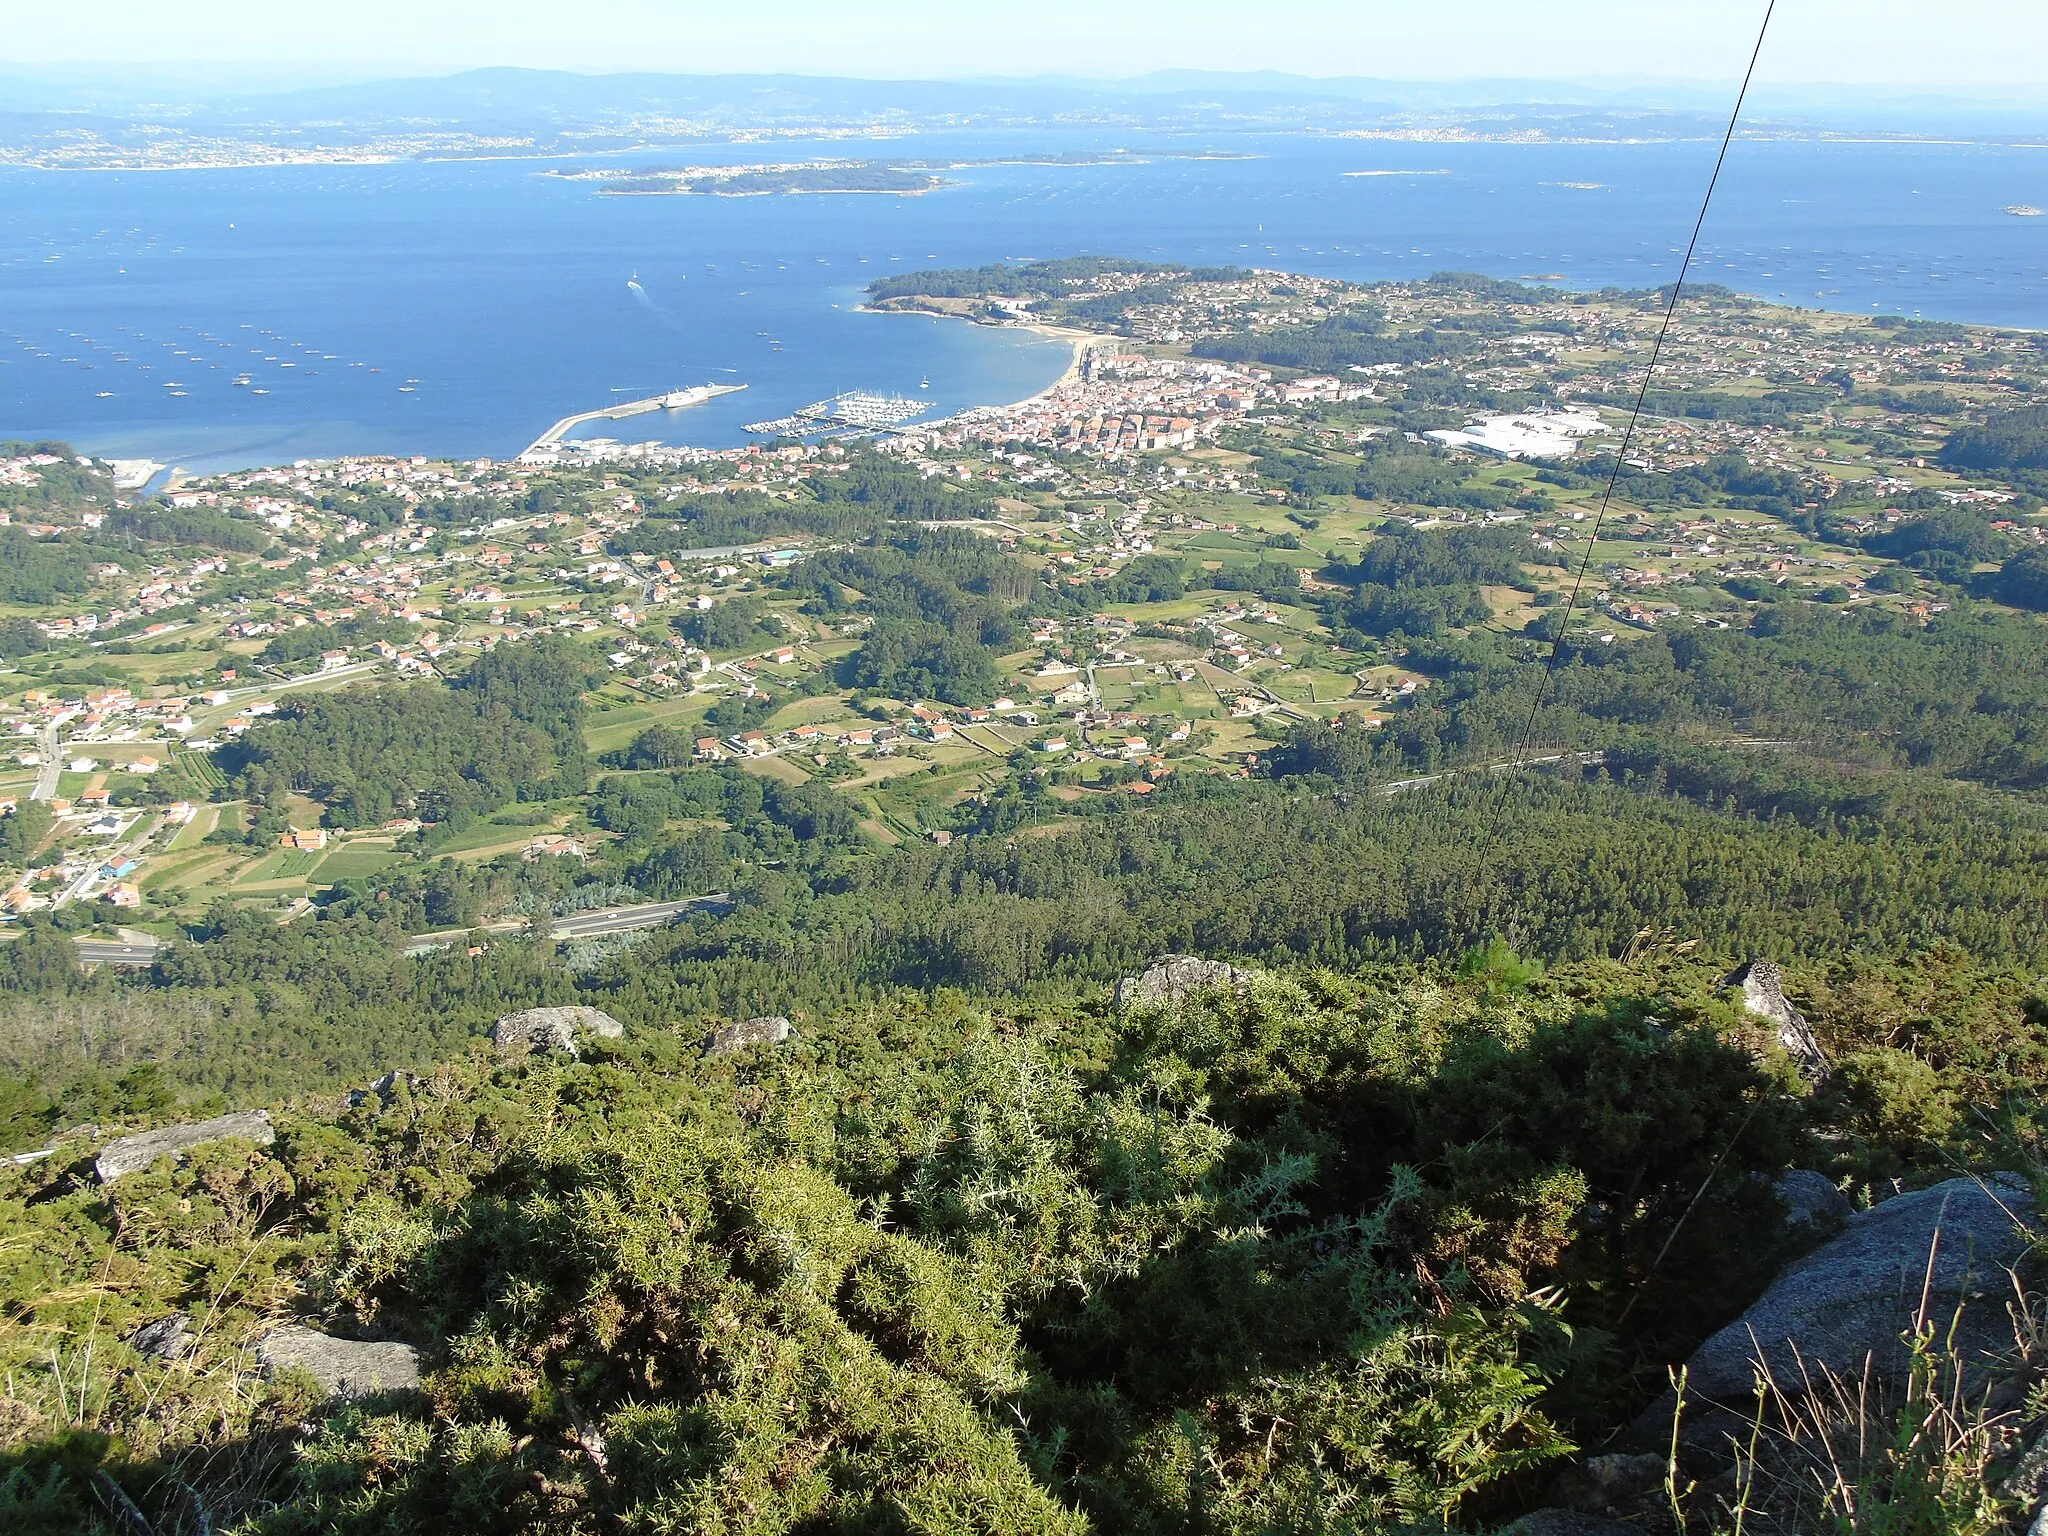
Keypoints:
pixel 1530 435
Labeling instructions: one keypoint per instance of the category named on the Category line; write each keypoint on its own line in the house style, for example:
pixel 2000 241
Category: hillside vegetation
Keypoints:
pixel 1314 1258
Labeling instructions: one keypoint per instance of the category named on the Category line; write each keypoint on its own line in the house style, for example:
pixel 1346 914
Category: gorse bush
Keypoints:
pixel 1313 1257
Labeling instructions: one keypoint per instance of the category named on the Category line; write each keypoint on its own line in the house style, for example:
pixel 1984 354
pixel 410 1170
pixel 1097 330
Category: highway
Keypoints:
pixel 597 924
pixel 112 952
pixel 1583 759
pixel 609 920
pixel 577 925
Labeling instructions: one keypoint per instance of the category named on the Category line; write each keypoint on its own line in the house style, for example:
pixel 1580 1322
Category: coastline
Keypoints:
pixel 1080 343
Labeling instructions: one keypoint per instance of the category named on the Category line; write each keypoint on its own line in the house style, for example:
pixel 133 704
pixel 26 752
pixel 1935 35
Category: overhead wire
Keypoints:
pixel 1621 456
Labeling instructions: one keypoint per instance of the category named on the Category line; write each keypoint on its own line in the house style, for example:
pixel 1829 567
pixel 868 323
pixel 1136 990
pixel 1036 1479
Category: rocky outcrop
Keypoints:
pixel 1852 1298
pixel 131 1154
pixel 165 1339
pixel 772 1029
pixel 1762 984
pixel 343 1367
pixel 553 1029
pixel 384 1089
pixel 1176 977
pixel 1813 1206
pixel 1569 1522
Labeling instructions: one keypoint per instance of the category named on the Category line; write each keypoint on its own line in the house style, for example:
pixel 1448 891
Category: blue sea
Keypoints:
pixel 461 307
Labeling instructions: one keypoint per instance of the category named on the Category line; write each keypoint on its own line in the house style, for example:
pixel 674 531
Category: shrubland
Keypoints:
pixel 1340 1252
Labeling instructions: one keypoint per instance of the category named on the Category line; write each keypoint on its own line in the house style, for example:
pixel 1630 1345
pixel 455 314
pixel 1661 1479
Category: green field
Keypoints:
pixel 355 862
pixel 285 864
pixel 609 730
pixel 199 770
pixel 495 832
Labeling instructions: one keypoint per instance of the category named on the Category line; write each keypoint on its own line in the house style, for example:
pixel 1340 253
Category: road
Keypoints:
pixel 607 920
pixel 1584 760
pixel 135 846
pixel 581 925
pixel 110 952
pixel 52 750
pixel 353 669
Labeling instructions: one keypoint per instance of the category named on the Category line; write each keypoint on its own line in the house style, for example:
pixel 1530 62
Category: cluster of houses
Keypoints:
pixel 80 876
pixel 111 715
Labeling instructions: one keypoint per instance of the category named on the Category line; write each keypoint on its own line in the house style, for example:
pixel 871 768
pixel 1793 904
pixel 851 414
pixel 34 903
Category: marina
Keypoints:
pixel 852 411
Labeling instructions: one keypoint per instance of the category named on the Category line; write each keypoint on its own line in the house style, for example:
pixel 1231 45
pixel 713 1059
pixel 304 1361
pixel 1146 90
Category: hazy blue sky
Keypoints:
pixel 1937 44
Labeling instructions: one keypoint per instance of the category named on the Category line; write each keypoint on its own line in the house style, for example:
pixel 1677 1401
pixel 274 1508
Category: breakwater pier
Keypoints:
pixel 674 400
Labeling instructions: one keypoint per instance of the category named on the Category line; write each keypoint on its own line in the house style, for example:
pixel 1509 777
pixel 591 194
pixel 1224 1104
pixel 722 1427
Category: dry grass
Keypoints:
pixel 1865 1457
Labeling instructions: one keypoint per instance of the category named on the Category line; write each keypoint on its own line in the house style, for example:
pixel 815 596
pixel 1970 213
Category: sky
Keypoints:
pixel 1941 46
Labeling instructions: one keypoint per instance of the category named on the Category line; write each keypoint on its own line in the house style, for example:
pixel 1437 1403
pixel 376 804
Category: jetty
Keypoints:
pixel 674 400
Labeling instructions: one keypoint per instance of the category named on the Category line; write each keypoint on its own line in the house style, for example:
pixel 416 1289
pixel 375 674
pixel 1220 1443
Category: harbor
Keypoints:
pixel 674 400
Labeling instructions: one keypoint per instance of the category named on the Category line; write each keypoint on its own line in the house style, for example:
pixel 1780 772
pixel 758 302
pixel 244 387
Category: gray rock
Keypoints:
pixel 165 1339
pixel 1569 1522
pixel 131 1154
pixel 1611 1484
pixel 1176 977
pixel 2027 1484
pixel 728 1038
pixel 384 1089
pixel 553 1029
pixel 1762 983
pixel 1813 1206
pixel 344 1367
pixel 1851 1298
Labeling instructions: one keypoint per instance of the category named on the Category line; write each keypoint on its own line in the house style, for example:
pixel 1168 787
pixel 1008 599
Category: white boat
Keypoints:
pixel 2024 211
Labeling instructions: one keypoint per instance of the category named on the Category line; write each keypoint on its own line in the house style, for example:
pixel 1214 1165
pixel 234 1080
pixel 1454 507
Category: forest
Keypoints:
pixel 857 500
pixel 47 570
pixel 1960 695
pixel 1026 280
pixel 2015 439
pixel 66 485
pixel 509 729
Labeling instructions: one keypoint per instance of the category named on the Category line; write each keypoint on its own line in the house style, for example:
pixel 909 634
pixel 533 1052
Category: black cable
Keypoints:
pixel 1621 455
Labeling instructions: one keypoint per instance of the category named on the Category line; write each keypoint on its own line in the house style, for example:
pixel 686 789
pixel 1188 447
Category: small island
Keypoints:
pixel 902 178
pixel 764 180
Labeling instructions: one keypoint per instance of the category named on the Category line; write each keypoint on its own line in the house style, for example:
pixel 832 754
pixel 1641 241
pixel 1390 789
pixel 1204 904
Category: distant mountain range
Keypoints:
pixel 563 110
